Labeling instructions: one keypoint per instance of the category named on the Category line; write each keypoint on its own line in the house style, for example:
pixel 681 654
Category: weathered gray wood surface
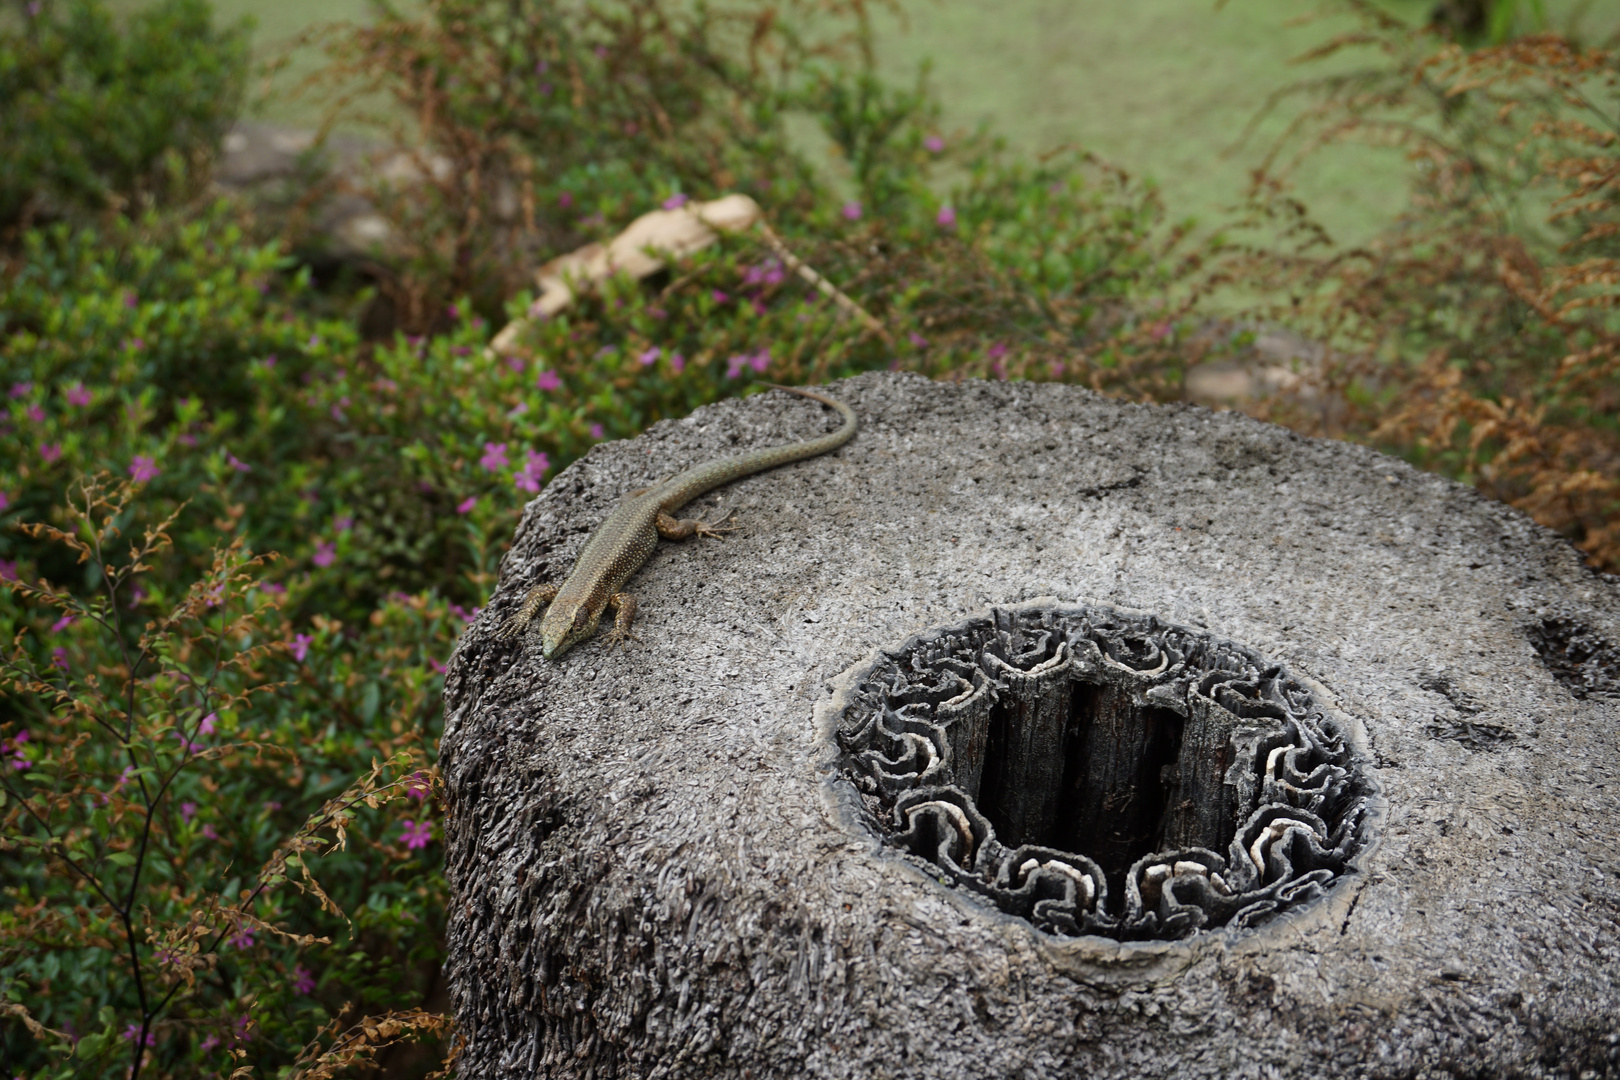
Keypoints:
pixel 652 875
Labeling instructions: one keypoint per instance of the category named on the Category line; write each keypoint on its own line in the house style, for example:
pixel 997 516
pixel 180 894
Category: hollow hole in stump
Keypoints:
pixel 1101 771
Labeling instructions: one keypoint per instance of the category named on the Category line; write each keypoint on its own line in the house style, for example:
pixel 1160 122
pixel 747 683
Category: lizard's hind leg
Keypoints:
pixel 682 528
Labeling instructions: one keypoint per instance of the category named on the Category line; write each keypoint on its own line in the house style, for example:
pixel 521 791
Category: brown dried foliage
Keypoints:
pixel 1481 337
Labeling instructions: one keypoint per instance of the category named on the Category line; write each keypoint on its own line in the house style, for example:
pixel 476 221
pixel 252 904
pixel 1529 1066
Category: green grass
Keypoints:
pixel 1163 88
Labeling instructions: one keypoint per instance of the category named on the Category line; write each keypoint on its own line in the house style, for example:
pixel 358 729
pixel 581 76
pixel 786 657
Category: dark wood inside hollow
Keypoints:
pixel 1086 768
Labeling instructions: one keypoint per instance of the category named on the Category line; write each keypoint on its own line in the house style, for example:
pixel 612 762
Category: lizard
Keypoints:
pixel 629 534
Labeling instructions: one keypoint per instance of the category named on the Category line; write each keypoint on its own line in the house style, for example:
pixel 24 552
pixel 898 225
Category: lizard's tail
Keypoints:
pixel 833 439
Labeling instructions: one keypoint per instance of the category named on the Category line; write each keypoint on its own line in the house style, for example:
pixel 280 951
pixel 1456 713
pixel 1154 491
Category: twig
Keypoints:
pixel 822 285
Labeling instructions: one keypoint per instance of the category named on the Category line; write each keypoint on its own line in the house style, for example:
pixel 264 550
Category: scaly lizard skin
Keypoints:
pixel 623 542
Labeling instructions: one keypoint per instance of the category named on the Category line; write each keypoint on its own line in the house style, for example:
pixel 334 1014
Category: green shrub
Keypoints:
pixel 106 113
pixel 182 714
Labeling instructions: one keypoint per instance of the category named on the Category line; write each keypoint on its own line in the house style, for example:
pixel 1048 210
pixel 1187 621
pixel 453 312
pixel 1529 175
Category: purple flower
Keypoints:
pixel 273 588
pixel 300 646
pixel 465 506
pixel 565 199
pixel 438 668
pixel 137 344
pixel 417 834
pixel 325 553
pixel 494 456
pixel 540 67
pixel 133 1033
pixel 36 413
pixel 852 211
pixel 237 463
pixel 343 523
pixel 188 439
pixel 758 361
pixel 21 389
pixel 5 500
pixel 314 340
pixel 934 144
pixel 270 361
pixel 210 832
pixel 417 786
pixel 534 467
pixel 303 981
pixel 142 468
pixel 242 939
pixel 207 725
pixel 719 297
pixel 14 747
pixel 1056 367
pixel 678 362
pixel 1000 369
pixel 8 569
pixel 946 218
pixel 210 1043
pixel 187 745
pixel 78 395
pixel 515 363
pixel 130 299
pixel 596 431
pixel 917 340
pixel 997 351
pixel 651 356
pixel 188 810
pixel 548 380
pixel 675 201
pixel 50 451
pixel 59 657
pixel 1160 330
pixel 768 272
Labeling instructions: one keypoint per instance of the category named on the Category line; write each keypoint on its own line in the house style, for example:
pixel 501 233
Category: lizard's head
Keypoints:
pixel 561 630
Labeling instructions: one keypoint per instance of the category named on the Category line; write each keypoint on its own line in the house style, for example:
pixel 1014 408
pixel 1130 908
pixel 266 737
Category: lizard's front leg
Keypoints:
pixel 681 528
pixel 536 598
pixel 624 612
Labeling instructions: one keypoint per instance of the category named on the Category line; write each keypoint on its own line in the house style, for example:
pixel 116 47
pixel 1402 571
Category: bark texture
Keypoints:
pixel 659 869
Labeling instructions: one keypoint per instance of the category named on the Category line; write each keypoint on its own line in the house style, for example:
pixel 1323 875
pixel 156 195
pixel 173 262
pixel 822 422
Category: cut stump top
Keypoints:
pixel 659 866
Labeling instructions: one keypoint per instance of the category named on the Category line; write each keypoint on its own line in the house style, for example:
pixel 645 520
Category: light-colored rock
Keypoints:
pixel 646 246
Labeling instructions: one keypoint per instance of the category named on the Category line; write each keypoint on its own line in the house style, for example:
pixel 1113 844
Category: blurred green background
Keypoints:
pixel 1168 89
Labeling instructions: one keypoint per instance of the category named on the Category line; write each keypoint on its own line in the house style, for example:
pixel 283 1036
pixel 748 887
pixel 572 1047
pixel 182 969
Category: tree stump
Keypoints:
pixel 1039 734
